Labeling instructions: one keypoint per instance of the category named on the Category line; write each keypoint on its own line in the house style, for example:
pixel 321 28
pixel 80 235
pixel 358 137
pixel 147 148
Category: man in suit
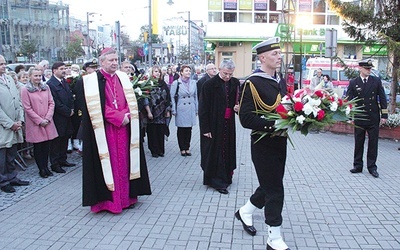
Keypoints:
pixel 372 97
pixel 211 71
pixel 64 109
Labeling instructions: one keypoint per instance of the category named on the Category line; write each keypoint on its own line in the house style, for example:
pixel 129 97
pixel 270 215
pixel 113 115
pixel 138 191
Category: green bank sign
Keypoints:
pixel 286 31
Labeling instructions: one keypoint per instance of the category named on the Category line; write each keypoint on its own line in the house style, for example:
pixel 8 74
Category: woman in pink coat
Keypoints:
pixel 39 109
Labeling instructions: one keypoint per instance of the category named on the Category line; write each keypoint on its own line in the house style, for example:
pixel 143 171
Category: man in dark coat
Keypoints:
pixel 211 71
pixel 372 97
pixel 218 103
pixel 111 135
pixel 63 111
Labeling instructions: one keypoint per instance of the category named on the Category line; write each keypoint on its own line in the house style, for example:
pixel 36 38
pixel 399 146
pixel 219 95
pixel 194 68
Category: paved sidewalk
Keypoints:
pixel 326 207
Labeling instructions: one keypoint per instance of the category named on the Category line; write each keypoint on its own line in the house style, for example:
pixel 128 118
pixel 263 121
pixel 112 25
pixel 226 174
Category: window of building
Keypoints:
pixel 319 19
pixel 260 18
pixel 272 5
pixel 319 6
pixel 273 18
pixel 227 53
pixel 333 20
pixel 214 17
pixel 230 17
pixel 244 17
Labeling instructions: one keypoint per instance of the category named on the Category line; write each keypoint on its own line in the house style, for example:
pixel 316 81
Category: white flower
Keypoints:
pixel 300 119
pixel 286 100
pixel 307 109
pixel 333 106
pixel 348 109
pixel 139 91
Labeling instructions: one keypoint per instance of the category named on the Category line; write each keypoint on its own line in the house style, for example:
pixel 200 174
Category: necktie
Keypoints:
pixel 365 81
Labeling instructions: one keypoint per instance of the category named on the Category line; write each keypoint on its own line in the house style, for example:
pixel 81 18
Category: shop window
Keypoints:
pixel 333 20
pixel 273 18
pixel 319 6
pixel 272 5
pixel 230 17
pixel 214 17
pixel 319 19
pixel 244 17
pixel 260 18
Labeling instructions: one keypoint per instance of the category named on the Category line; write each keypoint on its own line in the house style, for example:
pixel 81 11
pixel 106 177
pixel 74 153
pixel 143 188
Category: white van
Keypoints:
pixel 338 77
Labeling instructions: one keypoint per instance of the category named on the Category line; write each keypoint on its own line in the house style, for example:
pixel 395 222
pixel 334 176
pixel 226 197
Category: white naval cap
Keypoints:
pixel 269 44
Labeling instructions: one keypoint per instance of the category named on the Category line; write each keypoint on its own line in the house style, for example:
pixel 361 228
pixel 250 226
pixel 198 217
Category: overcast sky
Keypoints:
pixel 134 14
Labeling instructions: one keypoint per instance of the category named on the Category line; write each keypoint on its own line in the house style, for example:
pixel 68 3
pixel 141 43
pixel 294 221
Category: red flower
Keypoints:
pixel 298 106
pixel 281 110
pixel 68 80
pixel 319 93
pixel 340 102
pixel 320 115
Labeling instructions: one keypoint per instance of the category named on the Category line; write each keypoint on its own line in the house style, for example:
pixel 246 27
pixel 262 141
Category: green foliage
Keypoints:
pixel 74 48
pixel 374 22
pixel 29 48
pixel 184 54
pixel 154 38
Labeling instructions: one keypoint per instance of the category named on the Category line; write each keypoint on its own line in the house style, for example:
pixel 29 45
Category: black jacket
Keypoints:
pixel 64 104
pixel 372 97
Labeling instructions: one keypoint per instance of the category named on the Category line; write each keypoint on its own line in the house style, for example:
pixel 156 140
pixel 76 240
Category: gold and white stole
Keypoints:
pixel 92 97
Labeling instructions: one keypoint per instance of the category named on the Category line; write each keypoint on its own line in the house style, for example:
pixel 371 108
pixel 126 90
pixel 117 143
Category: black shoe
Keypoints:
pixel 58 169
pixel 183 153
pixel 67 164
pixel 19 183
pixel 161 155
pixel 8 188
pixel 43 173
pixel 355 170
pixel 374 173
pixel 48 172
pixel 249 229
pixel 188 153
pixel 154 155
pixel 222 190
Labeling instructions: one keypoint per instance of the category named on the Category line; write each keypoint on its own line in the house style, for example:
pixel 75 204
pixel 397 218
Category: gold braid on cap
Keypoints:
pixel 258 102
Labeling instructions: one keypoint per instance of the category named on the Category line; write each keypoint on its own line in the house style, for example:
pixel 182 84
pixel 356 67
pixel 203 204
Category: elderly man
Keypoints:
pixel 218 103
pixel 316 79
pixel 211 71
pixel 114 164
pixel 11 120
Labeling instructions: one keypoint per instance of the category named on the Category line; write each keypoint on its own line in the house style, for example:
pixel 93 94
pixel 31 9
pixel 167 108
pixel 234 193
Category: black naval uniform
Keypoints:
pixel 372 96
pixel 269 153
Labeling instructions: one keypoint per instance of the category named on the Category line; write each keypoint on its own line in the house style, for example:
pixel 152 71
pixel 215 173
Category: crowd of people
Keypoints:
pixel 46 112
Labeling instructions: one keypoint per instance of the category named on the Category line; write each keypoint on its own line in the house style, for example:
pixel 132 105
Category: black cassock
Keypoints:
pixel 218 154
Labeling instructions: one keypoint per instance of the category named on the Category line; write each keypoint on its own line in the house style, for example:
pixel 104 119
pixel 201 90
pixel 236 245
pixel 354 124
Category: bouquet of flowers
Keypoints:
pixel 306 109
pixel 71 80
pixel 143 85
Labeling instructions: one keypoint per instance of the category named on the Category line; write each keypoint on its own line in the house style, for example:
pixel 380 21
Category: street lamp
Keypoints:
pixel 189 31
pixel 88 14
pixel 301 21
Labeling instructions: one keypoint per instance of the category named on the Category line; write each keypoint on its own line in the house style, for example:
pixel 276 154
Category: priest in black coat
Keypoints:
pixel 217 107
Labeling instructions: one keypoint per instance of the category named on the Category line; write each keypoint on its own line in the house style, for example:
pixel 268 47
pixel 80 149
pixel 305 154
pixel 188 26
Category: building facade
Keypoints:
pixel 45 23
pixel 235 26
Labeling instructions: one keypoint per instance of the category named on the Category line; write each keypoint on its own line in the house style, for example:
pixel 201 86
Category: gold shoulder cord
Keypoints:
pixel 258 102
